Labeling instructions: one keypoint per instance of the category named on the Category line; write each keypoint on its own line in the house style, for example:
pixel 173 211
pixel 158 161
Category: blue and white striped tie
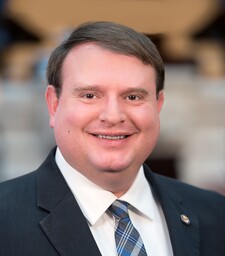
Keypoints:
pixel 128 240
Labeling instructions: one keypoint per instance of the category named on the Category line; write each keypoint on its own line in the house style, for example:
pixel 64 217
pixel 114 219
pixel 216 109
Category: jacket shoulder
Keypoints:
pixel 15 191
pixel 193 197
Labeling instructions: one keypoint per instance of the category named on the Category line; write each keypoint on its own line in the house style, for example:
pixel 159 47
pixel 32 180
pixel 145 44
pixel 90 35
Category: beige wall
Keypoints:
pixel 177 20
pixel 147 16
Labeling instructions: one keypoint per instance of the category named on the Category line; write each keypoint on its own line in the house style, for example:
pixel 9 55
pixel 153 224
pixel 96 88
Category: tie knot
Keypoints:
pixel 119 209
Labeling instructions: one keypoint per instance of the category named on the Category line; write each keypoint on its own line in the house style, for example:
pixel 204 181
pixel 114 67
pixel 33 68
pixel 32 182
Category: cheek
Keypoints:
pixel 65 129
pixel 148 119
pixel 64 121
pixel 74 119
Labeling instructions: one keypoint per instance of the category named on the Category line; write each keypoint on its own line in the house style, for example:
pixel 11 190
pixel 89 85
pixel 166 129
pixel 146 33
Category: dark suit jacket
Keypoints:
pixel 39 216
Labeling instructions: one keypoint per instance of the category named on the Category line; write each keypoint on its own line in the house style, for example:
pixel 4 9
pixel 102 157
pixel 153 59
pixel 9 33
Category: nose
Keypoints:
pixel 112 112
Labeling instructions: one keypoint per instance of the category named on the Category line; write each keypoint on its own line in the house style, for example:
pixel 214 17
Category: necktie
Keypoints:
pixel 128 240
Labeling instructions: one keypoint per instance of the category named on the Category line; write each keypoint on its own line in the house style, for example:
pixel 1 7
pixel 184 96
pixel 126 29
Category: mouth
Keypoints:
pixel 111 137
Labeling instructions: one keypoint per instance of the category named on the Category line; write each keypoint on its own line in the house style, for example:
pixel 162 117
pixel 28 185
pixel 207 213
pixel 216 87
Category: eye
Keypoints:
pixel 89 96
pixel 133 97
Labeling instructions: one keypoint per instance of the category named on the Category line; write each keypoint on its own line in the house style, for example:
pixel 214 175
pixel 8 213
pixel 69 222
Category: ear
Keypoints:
pixel 52 101
pixel 160 101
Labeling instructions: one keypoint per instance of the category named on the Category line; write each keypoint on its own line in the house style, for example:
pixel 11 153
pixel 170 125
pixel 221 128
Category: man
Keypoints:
pixel 104 97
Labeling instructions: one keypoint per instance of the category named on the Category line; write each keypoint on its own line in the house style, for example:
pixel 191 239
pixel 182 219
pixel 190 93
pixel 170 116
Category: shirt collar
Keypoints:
pixel 87 193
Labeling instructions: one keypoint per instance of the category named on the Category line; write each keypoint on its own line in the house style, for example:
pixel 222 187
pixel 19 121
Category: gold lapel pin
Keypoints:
pixel 185 219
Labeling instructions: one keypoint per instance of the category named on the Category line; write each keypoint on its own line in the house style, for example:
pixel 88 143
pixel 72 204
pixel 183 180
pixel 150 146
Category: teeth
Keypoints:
pixel 111 137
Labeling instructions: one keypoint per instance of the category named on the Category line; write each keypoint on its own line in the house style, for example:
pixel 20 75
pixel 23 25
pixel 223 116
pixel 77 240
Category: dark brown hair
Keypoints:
pixel 112 36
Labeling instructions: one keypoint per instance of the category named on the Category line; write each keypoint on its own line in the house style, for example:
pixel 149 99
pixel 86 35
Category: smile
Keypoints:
pixel 109 137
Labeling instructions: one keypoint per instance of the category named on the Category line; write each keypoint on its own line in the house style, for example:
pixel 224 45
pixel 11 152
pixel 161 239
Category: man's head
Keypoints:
pixel 112 36
pixel 105 112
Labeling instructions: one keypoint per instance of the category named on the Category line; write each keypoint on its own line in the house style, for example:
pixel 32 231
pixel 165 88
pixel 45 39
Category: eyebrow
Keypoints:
pixel 136 89
pixel 97 88
pixel 86 88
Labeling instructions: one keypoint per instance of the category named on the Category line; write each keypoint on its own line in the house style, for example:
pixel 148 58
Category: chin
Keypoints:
pixel 113 167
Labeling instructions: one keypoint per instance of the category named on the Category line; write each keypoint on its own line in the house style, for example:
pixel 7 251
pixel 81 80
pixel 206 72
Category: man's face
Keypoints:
pixel 106 120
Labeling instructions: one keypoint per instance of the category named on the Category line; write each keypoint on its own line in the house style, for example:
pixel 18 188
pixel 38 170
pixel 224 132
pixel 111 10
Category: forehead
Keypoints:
pixel 95 49
pixel 90 47
pixel 91 62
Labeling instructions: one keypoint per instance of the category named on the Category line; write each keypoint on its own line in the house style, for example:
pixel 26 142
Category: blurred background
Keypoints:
pixel 190 36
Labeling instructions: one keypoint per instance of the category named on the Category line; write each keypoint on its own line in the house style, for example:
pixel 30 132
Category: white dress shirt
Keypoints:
pixel 145 213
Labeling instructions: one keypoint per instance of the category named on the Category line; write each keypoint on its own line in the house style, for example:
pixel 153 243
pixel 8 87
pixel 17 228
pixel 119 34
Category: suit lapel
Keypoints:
pixel 184 236
pixel 64 225
pixel 67 229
